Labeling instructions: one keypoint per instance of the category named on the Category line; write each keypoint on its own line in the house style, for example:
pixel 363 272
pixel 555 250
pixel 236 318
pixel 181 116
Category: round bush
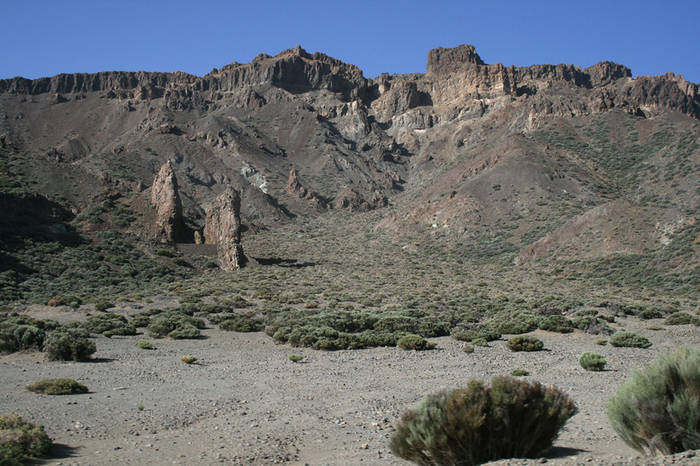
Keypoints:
pixel 510 419
pixel 524 343
pixel 592 361
pixel 57 387
pixel 414 342
pixel 68 344
pixel 659 408
pixel 629 340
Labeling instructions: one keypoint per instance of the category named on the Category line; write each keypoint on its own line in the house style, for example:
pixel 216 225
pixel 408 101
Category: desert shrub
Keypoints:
pixel 510 419
pixel 414 342
pixel 480 341
pixel 20 439
pixel 515 324
pixel 681 318
pixel 474 332
pixel 57 387
pixel 164 253
pixel 183 325
pixel 629 340
pixel 601 342
pixel 592 361
pixel 328 339
pixel 109 324
pixel 103 305
pixel 185 332
pixel 179 261
pixel 140 321
pixel 145 344
pixel 591 324
pixel 29 337
pixel 188 359
pixel 243 324
pixel 295 357
pixel 425 326
pixel 469 349
pixel 658 409
pixel 650 314
pixel 519 373
pixel 524 343
pixel 69 344
pixel 556 323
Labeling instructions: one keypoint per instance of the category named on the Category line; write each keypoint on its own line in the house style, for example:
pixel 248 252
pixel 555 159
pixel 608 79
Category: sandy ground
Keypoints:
pixel 244 402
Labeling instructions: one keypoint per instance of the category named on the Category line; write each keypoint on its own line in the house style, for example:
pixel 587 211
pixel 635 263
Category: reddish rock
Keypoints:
pixel 166 199
pixel 223 228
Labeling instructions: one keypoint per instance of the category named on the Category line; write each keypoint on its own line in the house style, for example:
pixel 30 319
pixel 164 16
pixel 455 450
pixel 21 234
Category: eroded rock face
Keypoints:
pixel 295 188
pixel 350 199
pixel 223 228
pixel 166 199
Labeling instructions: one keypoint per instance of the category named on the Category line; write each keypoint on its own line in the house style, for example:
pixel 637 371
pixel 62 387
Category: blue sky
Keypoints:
pixel 44 38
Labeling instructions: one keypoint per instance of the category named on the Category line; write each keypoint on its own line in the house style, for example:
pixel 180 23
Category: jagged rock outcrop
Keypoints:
pixel 295 188
pixel 223 228
pixel 169 226
pixel 350 199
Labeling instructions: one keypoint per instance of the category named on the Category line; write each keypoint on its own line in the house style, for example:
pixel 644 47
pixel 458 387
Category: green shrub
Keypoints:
pixel 295 357
pixel 29 337
pixel 185 332
pixel 474 332
pixel 592 361
pixel 243 324
pixel 145 344
pixel 414 342
pixel 519 373
pixel 510 419
pixel 659 408
pixel 515 324
pixel 629 340
pixel 181 262
pixel 163 325
pixel 57 387
pixel 103 305
pixel 524 343
pixel 481 341
pixel 20 439
pixel 164 253
pixel 601 342
pixel 556 323
pixel 681 318
pixel 650 314
pixel 109 324
pixel 68 344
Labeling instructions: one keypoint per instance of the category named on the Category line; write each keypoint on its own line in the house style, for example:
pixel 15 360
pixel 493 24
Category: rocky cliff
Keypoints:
pixel 465 150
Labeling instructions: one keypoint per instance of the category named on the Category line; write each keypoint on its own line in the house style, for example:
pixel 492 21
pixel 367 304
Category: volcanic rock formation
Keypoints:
pixel 166 199
pixel 223 228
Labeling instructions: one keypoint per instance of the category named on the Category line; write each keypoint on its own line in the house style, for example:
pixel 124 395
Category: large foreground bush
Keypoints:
pixel 510 419
pixel 659 408
pixel 20 439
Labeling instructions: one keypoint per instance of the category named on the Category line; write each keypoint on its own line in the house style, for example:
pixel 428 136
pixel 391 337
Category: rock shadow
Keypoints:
pixel 291 263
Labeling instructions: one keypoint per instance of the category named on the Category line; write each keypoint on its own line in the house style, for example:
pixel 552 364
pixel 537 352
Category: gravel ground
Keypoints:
pixel 244 402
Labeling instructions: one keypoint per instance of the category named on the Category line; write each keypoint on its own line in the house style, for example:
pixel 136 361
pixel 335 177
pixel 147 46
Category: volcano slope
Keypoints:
pixel 472 197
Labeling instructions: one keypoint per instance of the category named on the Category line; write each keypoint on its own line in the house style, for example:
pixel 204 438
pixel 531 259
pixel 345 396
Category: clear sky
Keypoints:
pixel 47 37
